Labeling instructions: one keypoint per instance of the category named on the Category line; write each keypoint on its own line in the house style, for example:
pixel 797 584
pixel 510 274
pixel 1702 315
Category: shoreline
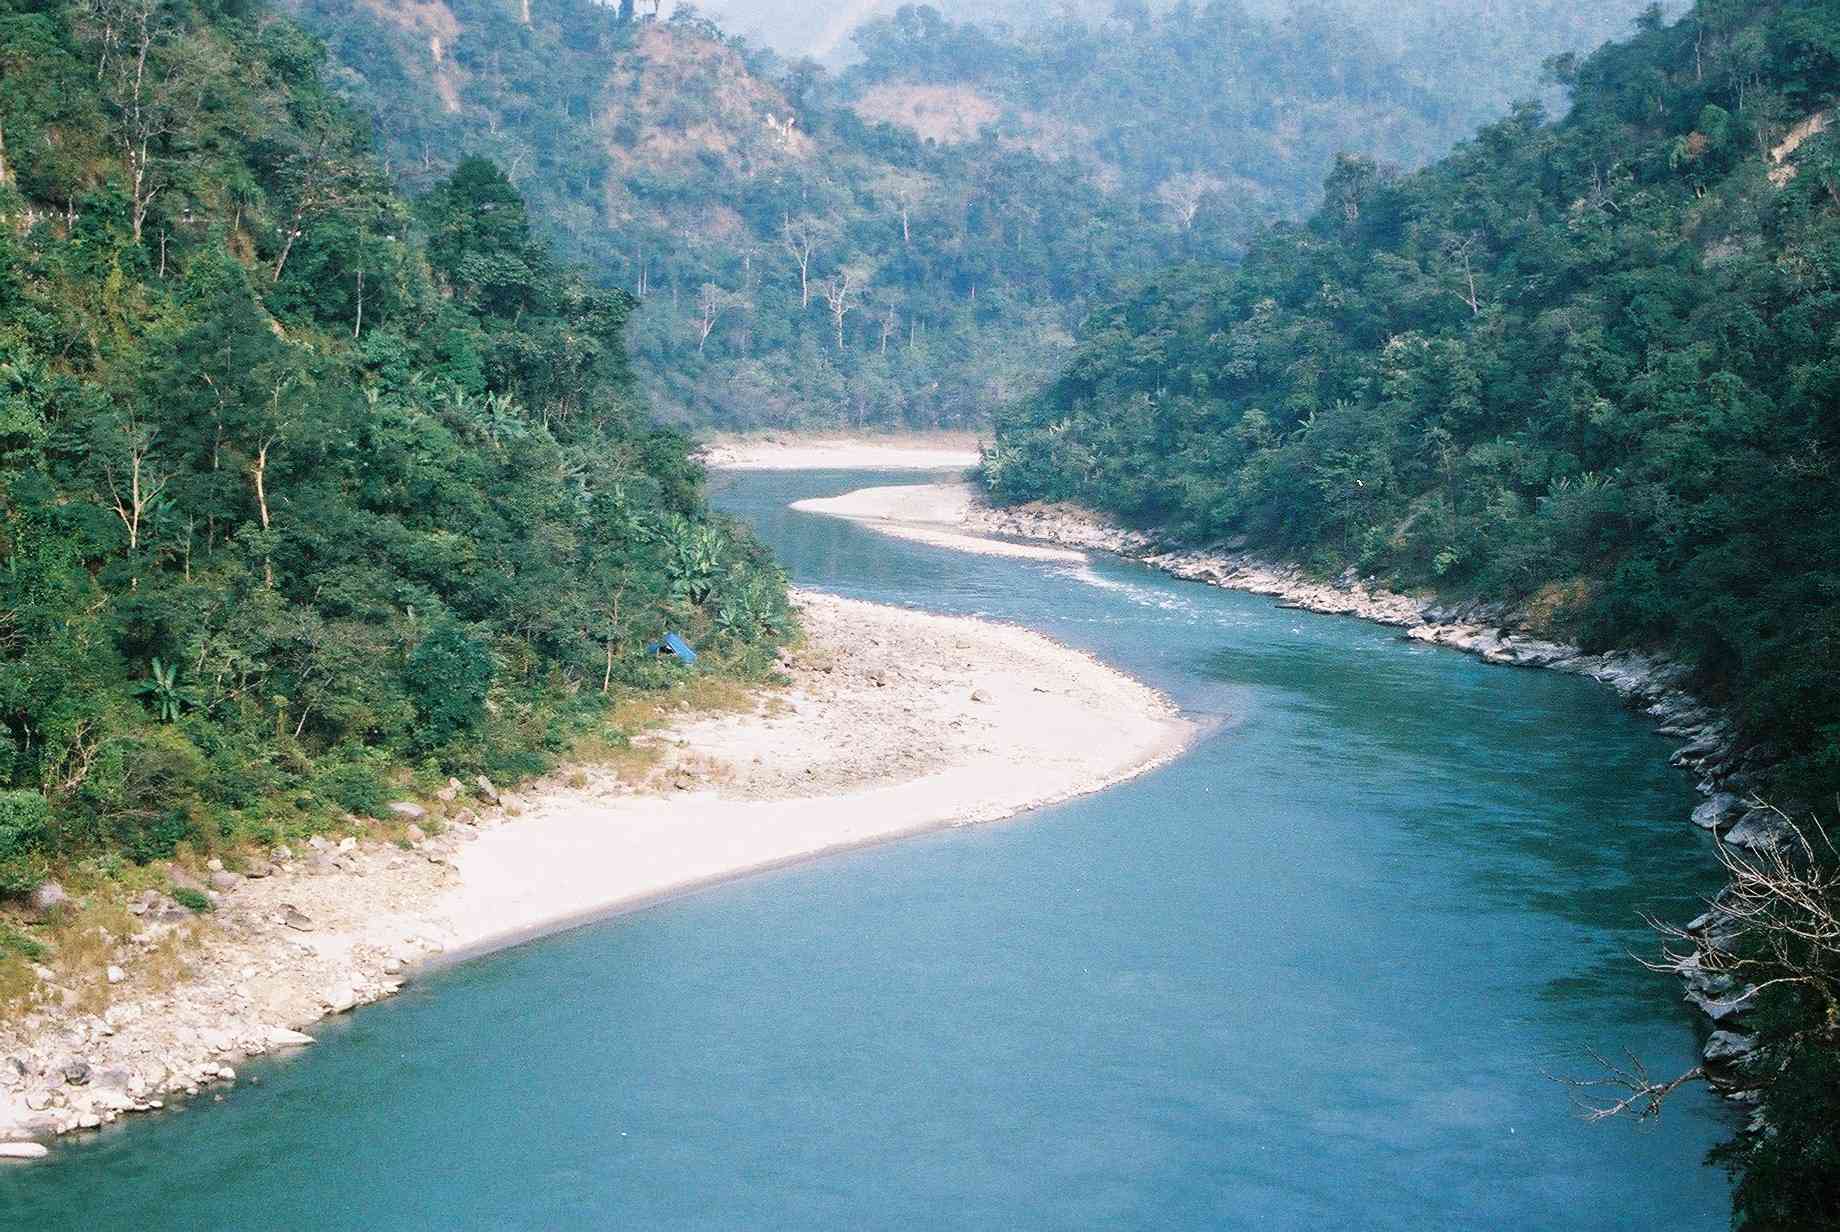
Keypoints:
pixel 1498 633
pixel 895 723
pixel 919 451
pixel 744 828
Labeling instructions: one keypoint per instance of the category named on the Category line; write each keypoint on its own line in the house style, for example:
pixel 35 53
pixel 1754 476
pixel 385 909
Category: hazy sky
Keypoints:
pixel 822 27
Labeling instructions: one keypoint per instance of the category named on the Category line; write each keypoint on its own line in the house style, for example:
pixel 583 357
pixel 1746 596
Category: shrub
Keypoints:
pixel 192 900
pixel 449 675
pixel 25 824
pixel 355 786
pixel 145 841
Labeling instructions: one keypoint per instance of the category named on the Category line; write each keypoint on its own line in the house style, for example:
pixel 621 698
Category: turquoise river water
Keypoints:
pixel 1312 975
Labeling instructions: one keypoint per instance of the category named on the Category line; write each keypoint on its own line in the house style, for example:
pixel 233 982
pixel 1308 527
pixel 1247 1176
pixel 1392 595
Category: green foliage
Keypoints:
pixel 1588 366
pixel 25 824
pixel 162 692
pixel 298 479
pixel 1094 151
pixel 355 785
pixel 449 676
pixel 191 900
pixel 15 944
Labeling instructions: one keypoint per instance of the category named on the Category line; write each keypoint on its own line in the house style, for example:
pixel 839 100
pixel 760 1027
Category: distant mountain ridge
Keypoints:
pixel 842 250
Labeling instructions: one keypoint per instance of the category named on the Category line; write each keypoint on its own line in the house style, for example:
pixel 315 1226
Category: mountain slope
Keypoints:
pixel 1591 367
pixel 300 482
pixel 940 276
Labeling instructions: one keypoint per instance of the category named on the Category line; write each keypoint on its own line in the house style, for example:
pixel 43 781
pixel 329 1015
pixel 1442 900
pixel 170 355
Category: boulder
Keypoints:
pixel 281 1037
pixel 157 908
pixel 22 1150
pixel 115 975
pixel 408 809
pixel 1728 1047
pixel 487 792
pixel 1718 812
pixel 1722 1007
pixel 296 919
pixel 259 868
pixel 1758 829
pixel 978 695
pixel 182 879
pixel 46 898
pixel 75 1073
pixel 225 881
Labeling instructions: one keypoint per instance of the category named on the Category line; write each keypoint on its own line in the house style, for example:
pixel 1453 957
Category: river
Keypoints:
pixel 1312 975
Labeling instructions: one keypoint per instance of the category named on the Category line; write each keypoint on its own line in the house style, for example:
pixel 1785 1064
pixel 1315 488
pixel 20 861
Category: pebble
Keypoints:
pixel 116 975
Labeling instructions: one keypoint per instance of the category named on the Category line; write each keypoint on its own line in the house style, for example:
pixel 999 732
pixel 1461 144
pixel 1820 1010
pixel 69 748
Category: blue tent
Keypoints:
pixel 676 647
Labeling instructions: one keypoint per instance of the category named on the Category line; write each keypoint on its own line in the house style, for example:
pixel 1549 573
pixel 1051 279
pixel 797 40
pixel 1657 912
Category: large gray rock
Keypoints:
pixel 182 879
pixel 1724 1005
pixel 487 791
pixel 47 898
pixel 1757 830
pixel 408 809
pixel 22 1150
pixel 1718 812
pixel 1728 1047
pixel 225 881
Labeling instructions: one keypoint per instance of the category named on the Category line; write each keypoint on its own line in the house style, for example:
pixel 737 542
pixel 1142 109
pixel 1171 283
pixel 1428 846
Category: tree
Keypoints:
pixel 837 296
pixel 326 173
pixel 134 487
pixel 152 86
pixel 711 302
pixel 800 240
pixel 1184 195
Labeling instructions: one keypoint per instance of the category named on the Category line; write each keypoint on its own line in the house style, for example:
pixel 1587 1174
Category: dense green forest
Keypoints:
pixel 915 239
pixel 300 481
pixel 1592 366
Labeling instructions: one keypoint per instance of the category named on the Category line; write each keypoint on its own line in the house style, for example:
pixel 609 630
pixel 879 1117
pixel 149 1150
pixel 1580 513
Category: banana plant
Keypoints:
pixel 162 691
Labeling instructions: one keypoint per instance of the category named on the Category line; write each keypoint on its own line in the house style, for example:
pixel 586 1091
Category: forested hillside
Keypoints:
pixel 1590 366
pixel 300 481
pixel 917 239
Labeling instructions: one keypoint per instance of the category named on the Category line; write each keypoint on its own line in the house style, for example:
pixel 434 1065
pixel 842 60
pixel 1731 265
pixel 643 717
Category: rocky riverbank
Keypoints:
pixel 890 722
pixel 1727 774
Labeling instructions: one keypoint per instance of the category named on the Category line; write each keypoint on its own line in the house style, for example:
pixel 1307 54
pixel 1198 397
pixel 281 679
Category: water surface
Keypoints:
pixel 1309 976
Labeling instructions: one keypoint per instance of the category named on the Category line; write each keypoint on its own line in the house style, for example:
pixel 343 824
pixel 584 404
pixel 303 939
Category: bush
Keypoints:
pixel 25 824
pixel 354 786
pixel 191 900
pixel 144 842
pixel 449 676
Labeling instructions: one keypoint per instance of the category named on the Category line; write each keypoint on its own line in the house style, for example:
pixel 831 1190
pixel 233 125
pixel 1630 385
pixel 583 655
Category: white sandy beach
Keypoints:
pixel 894 722
pixel 933 513
pixel 898 722
pixel 943 452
